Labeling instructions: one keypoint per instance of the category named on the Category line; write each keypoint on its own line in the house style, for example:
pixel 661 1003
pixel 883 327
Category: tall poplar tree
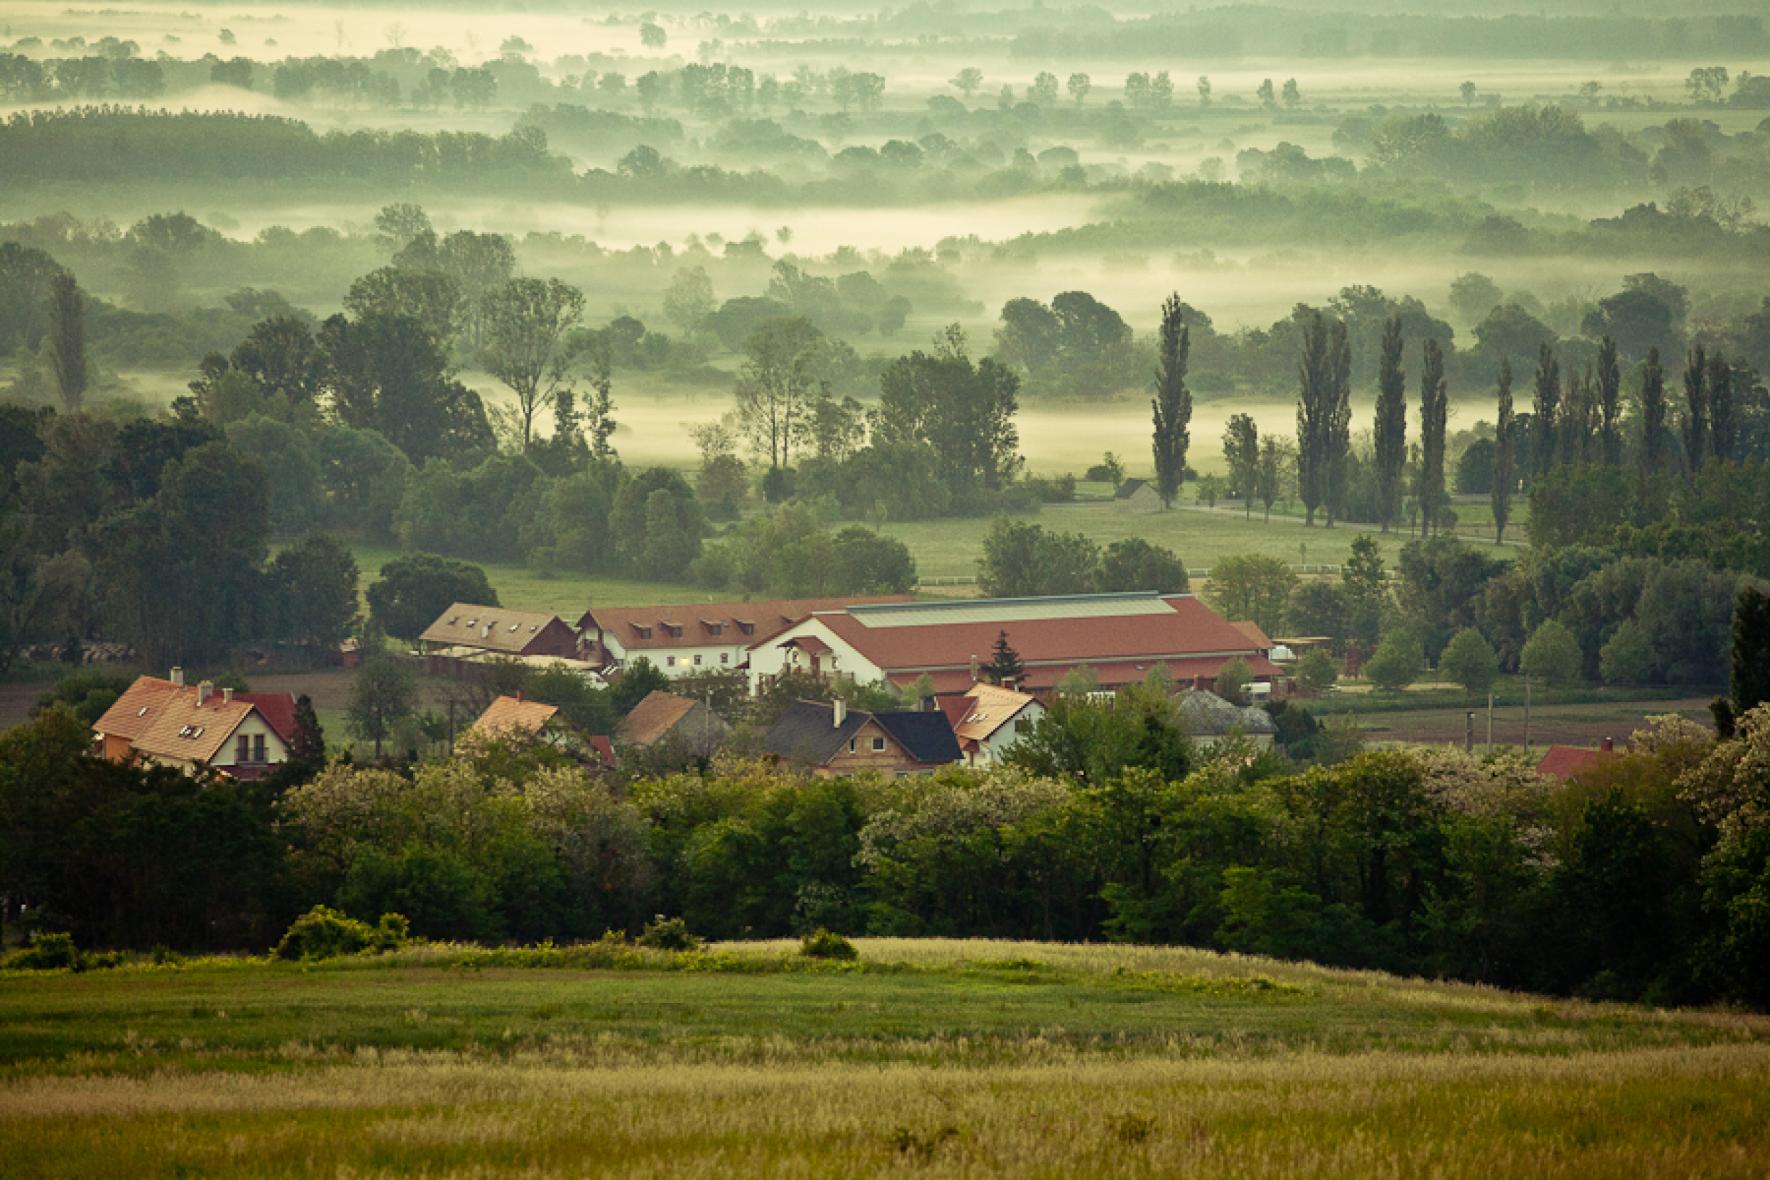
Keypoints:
pixel 1503 458
pixel 1696 407
pixel 1390 442
pixel 1545 411
pixel 1610 403
pixel 67 340
pixel 1339 419
pixel 1653 414
pixel 1434 410
pixel 1172 405
pixel 1723 420
pixel 1314 406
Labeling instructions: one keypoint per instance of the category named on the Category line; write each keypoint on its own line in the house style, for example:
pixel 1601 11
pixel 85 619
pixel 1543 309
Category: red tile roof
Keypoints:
pixel 1255 635
pixel 277 709
pixel 712 622
pixel 1111 674
pixel 1565 762
pixel 1188 629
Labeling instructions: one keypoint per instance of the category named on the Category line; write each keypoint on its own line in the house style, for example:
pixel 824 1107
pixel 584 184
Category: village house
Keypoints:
pixel 515 719
pixel 988 720
pixel 468 632
pixel 1112 640
pixel 169 723
pixel 666 717
pixel 829 739
pixel 695 640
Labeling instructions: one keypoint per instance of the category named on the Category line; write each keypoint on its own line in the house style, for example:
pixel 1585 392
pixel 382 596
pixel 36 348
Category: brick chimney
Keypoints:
pixel 519 694
pixel 205 690
pixel 976 669
pixel 177 676
pixel 227 695
pixel 838 712
pixel 1608 745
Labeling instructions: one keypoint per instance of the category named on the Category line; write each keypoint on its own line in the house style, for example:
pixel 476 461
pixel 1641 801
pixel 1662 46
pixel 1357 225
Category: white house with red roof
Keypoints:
pixel 165 721
pixel 988 720
pixel 1117 639
pixel 694 640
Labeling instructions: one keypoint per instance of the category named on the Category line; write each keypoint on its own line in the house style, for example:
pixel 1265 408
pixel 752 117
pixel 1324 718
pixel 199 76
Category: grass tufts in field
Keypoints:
pixel 938 1058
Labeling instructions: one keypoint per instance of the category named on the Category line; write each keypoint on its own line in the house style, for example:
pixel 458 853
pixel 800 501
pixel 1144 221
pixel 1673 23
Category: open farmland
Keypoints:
pixel 946 1058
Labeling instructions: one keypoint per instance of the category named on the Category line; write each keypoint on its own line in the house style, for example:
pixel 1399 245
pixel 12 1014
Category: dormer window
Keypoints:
pixel 746 626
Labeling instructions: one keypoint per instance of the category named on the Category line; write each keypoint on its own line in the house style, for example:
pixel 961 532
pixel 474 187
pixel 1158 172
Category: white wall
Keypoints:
pixel 770 659
pixel 679 661
pixel 1001 741
pixel 275 752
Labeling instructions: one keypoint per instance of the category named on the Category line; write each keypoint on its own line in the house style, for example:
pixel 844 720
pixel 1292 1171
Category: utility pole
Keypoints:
pixel 1469 732
pixel 1490 721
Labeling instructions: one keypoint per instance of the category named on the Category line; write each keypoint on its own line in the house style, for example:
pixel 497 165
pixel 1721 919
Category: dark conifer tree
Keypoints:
pixel 1751 650
pixel 1005 666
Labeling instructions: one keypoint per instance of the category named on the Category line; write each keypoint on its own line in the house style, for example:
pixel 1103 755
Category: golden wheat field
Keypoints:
pixel 927 1058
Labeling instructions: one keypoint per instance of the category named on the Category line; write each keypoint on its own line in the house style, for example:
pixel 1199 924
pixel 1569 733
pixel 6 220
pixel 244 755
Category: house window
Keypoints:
pixel 669 661
pixel 851 745
pixel 697 660
pixel 878 745
pixel 725 657
pixel 242 749
pixel 258 747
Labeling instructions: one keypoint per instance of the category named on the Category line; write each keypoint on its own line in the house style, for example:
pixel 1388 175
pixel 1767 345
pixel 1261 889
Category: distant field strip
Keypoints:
pixel 938 1057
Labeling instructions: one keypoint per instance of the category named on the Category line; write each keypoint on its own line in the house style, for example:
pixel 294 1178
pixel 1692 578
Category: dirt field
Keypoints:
pixel 1564 725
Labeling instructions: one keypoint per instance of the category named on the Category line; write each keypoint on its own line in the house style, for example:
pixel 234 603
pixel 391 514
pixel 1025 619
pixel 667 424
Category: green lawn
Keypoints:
pixel 948 1058
pixel 566 593
pixel 950 548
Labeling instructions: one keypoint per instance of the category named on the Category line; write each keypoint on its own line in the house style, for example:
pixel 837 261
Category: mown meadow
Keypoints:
pixel 938 1057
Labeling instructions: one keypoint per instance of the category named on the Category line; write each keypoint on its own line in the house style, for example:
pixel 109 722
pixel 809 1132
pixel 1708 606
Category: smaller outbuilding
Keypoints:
pixel 1208 719
pixel 1564 763
pixel 665 717
pixel 1137 495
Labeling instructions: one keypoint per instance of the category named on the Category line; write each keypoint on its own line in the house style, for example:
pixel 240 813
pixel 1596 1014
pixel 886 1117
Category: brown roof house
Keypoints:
pixel 1563 763
pixel 830 739
pixel 170 723
pixel 468 628
pixel 664 717
pixel 518 720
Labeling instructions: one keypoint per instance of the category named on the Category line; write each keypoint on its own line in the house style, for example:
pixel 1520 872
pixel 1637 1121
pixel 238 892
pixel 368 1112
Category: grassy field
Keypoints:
pixel 945 1058
pixel 950 548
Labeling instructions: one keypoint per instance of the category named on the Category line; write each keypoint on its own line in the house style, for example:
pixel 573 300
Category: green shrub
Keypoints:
pixel 1316 671
pixel 822 944
pixel 669 934
pixel 324 933
pixel 48 952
